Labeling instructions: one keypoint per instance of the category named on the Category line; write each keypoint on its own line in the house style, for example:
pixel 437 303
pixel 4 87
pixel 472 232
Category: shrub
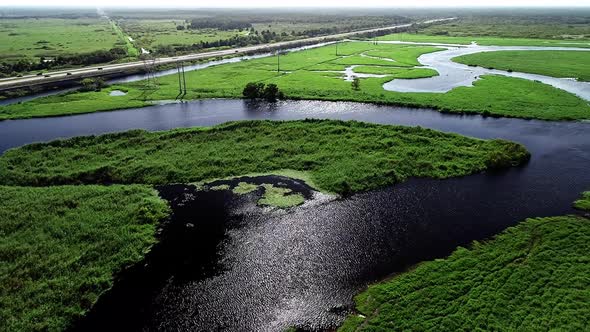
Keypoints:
pixel 92 84
pixel 269 92
pixel 253 90
pixel 356 83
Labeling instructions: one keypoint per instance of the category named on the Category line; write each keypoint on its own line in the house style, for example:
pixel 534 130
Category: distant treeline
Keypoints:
pixel 261 37
pixel 82 59
pixel 235 41
pixel 220 24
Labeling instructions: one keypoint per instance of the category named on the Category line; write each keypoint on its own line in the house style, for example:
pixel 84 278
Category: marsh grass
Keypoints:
pixel 341 157
pixel 60 247
pixel 565 64
pixel 532 277
pixel 280 197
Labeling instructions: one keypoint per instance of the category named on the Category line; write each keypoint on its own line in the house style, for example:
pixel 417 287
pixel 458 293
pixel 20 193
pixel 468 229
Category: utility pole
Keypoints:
pixel 278 61
pixel 183 78
pixel 337 42
pixel 179 79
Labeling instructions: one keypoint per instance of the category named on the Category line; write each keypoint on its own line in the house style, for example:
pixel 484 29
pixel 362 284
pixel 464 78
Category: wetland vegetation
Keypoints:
pixel 55 252
pixel 318 74
pixel 341 157
pixel 78 212
pixel 567 64
pixel 533 276
pixel 61 246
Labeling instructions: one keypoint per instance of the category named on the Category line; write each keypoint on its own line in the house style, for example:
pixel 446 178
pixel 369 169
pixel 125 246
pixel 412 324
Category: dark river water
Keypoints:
pixel 265 271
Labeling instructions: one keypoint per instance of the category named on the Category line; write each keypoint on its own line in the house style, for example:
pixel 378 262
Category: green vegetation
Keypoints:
pixel 32 39
pixel 340 157
pixel 397 72
pixel 280 197
pixel 504 28
pixel 404 55
pixel 177 32
pixel 157 33
pixel 571 64
pixel 75 103
pixel 560 26
pixel 131 50
pixel 486 41
pixel 533 276
pixel 260 90
pixel 60 247
pixel 220 187
pixel 244 188
pixel 584 202
pixel 303 76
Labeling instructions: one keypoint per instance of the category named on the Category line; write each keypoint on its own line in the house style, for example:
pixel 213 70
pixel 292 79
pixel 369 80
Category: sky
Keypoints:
pixel 299 3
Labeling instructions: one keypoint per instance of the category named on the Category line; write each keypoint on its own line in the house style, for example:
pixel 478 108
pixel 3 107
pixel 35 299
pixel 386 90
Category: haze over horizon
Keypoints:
pixel 298 3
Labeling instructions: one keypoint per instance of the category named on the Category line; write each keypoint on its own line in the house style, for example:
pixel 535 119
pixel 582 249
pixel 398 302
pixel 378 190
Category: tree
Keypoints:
pixel 253 90
pixel 180 27
pixel 356 83
pixel 92 84
pixel 271 92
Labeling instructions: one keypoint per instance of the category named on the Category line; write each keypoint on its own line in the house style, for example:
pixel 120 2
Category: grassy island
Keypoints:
pixel 565 64
pixel 340 156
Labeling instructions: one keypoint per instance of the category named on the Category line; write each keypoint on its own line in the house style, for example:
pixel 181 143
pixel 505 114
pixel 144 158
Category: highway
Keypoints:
pixel 108 69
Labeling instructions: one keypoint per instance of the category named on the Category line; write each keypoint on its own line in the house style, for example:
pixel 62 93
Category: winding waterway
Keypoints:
pixel 452 74
pixel 302 267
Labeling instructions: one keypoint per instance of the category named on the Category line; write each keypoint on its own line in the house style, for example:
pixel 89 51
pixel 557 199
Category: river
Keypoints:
pixel 452 74
pixel 302 267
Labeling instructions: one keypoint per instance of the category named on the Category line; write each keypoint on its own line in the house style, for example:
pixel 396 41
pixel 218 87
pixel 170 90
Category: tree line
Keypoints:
pixel 219 24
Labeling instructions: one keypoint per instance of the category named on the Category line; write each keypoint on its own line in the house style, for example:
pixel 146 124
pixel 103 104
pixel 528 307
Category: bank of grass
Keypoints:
pixel 299 79
pixel 60 247
pixel 532 277
pixel 75 103
pixel 584 202
pixel 340 157
pixel 397 72
pixel 570 64
pixel 405 55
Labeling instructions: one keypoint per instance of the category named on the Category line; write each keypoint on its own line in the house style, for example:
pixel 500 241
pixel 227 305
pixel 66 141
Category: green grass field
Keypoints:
pixel 149 33
pixel 49 37
pixel 340 157
pixel 485 40
pixel 302 77
pixel 61 246
pixel 542 26
pixel 532 277
pixel 570 64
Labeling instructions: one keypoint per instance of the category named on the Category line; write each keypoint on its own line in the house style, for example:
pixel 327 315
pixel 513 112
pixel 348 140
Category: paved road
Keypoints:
pixel 64 75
